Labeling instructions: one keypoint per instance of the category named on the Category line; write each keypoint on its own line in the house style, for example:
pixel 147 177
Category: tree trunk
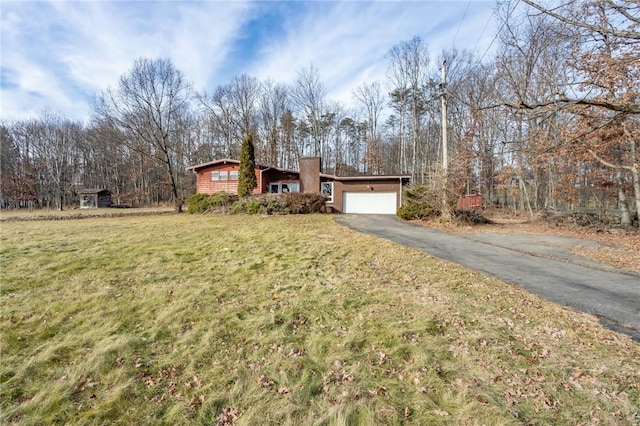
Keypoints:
pixel 623 205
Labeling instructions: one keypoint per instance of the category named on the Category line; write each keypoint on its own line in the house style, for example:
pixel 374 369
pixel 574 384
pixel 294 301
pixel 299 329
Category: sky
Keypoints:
pixel 58 55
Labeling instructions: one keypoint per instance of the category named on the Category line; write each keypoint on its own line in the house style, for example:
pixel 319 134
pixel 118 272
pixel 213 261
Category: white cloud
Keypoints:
pixel 59 54
pixel 348 41
pixel 67 52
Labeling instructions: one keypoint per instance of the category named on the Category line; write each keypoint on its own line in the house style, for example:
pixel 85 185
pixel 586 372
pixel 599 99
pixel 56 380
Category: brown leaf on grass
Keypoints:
pixel 482 400
pixel 196 401
pixel 228 416
pixel 284 390
pixel 194 383
pixel 440 413
pixel 265 382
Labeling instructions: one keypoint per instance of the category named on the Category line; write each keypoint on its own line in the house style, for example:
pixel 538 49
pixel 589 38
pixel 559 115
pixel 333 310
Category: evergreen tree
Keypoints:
pixel 247 181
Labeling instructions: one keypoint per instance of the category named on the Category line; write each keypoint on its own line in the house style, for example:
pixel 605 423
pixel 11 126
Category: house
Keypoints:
pixel 95 198
pixel 346 194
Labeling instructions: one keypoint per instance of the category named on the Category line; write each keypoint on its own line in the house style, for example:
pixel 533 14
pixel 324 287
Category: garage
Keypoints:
pixel 369 202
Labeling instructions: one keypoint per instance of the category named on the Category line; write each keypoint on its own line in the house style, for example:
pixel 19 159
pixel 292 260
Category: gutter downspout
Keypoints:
pixel 400 195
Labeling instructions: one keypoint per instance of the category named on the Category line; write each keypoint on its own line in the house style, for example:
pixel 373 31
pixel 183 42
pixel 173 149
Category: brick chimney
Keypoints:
pixel 310 175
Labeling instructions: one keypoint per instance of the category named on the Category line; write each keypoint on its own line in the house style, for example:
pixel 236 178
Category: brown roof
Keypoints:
pixel 322 175
pixel 365 177
pixel 94 191
pixel 230 161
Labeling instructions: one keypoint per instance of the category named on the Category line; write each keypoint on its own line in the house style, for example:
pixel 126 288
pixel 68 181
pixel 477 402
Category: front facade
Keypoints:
pixel 353 194
pixel 95 198
pixel 222 176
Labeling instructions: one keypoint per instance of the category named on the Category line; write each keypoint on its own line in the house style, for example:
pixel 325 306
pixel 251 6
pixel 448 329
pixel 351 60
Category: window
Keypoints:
pixel 281 188
pixel 233 175
pixel 223 175
pixel 326 189
pixel 215 176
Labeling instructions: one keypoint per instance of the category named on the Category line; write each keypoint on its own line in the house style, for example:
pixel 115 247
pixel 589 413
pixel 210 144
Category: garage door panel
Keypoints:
pixel 369 202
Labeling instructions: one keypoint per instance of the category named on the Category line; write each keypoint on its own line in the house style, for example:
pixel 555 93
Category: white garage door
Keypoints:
pixel 369 202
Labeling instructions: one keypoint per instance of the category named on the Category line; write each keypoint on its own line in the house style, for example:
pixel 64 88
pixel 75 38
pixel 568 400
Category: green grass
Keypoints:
pixel 183 319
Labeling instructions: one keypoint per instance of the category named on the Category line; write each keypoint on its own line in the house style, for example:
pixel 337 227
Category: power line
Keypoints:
pixel 495 37
pixel 460 24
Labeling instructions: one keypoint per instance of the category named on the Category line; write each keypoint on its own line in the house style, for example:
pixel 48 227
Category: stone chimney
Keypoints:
pixel 310 175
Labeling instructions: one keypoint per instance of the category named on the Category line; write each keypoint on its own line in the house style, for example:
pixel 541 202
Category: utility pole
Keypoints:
pixel 446 214
pixel 443 98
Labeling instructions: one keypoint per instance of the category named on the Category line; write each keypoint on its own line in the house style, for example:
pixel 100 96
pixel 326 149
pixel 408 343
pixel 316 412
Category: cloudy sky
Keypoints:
pixel 58 55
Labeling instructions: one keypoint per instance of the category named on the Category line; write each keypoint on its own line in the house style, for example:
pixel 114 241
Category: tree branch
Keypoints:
pixel 564 101
pixel 633 35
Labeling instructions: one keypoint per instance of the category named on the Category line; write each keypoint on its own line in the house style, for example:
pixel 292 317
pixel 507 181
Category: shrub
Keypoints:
pixel 247 181
pixel 420 202
pixel 298 203
pixel 291 203
pixel 215 203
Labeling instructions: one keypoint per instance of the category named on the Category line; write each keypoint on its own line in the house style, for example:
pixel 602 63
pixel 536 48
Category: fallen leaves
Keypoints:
pixel 228 416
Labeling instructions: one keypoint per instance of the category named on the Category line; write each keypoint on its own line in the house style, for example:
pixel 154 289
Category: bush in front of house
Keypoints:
pixel 219 202
pixel 291 203
pixel 420 202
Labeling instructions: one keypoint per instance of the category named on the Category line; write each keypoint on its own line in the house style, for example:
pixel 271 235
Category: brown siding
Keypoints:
pixel 204 184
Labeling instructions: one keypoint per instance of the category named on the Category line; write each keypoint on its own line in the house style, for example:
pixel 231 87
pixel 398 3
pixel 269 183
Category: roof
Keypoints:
pixel 230 161
pixel 94 191
pixel 322 175
pixel 364 177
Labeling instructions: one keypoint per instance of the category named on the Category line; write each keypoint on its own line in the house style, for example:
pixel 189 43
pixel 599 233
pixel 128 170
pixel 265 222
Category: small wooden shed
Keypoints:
pixel 95 198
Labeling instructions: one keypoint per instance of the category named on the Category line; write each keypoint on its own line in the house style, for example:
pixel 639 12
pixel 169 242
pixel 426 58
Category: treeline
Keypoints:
pixel 552 119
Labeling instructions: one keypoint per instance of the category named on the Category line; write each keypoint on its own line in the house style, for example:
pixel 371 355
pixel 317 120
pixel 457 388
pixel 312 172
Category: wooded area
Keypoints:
pixel 550 120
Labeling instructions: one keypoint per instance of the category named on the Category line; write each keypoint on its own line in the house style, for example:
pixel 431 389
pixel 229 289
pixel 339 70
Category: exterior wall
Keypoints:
pixel 204 184
pixel 95 200
pixel 276 176
pixel 339 187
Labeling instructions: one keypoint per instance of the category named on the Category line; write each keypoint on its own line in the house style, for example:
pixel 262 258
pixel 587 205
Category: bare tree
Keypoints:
pixel 604 58
pixel 273 105
pixel 308 96
pixel 408 72
pixel 147 105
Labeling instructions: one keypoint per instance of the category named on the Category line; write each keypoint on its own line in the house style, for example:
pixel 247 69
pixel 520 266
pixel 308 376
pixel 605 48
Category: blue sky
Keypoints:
pixel 59 55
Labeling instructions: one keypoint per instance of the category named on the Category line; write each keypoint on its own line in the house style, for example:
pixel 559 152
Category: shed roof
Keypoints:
pixel 94 191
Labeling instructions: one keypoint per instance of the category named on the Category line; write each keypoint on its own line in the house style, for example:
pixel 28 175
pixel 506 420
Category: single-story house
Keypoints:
pixel 346 194
pixel 95 198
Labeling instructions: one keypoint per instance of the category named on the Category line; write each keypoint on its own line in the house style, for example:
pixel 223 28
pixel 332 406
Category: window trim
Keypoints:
pixel 326 189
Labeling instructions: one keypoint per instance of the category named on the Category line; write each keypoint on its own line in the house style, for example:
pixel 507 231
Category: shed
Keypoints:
pixel 95 198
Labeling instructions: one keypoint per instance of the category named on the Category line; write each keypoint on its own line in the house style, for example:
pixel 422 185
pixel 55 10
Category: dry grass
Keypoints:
pixel 182 319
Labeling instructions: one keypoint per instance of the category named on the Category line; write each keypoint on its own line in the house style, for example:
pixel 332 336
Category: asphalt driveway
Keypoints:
pixel 541 264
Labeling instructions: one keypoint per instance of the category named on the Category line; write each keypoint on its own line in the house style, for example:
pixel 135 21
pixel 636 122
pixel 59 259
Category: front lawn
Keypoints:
pixel 202 319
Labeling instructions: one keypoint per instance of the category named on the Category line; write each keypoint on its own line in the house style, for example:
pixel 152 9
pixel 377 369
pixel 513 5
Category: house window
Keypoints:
pixel 223 175
pixel 281 188
pixel 233 175
pixel 326 189
pixel 215 176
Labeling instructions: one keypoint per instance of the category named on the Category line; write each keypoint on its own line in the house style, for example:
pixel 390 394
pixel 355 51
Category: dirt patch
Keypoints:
pixel 619 247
